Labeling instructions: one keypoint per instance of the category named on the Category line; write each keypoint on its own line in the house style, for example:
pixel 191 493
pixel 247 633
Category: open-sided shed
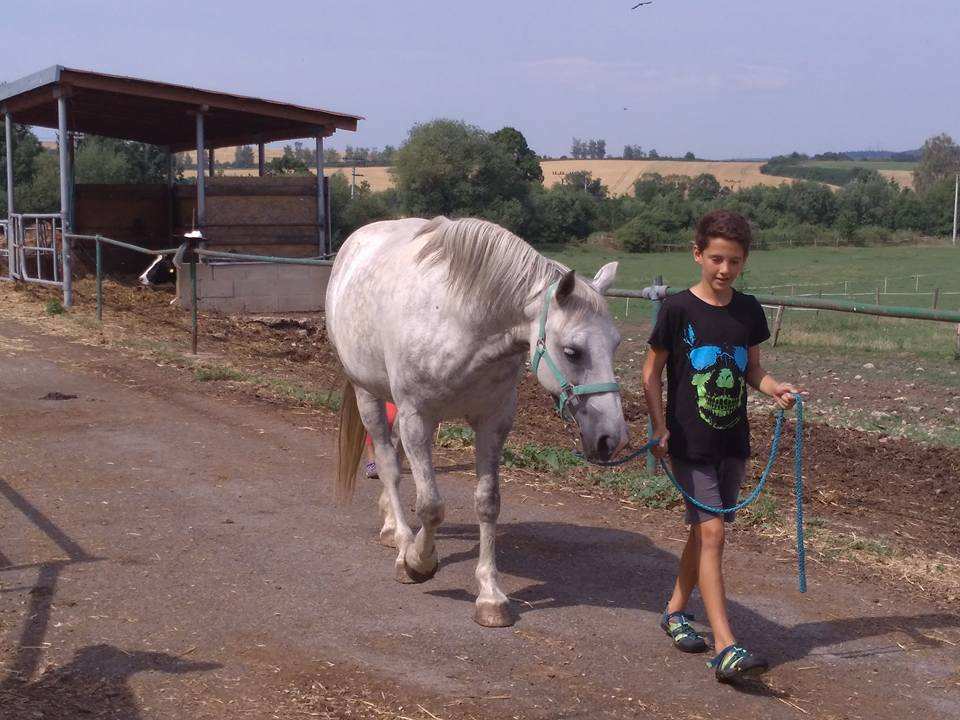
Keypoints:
pixel 282 215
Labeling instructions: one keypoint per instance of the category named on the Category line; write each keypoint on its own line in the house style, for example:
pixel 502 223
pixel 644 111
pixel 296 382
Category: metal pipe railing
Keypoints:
pixel 815 303
pixel 265 258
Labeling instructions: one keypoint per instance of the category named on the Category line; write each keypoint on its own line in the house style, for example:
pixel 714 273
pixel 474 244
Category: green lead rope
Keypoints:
pixel 797 486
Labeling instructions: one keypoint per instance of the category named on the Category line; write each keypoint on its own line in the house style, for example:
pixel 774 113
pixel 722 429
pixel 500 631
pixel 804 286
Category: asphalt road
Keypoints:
pixel 179 544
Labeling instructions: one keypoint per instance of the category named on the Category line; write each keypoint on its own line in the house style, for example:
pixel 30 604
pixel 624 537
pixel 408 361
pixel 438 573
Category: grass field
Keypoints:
pixel 901 172
pixel 808 271
pixel 869 164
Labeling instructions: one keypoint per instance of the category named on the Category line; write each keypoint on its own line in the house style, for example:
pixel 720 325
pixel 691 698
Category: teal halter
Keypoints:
pixel 567 391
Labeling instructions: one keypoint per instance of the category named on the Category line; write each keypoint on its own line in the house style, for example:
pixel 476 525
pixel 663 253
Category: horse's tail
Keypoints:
pixel 350 445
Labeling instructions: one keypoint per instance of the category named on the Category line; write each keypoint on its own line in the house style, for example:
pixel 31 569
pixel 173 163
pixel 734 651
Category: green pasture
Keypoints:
pixel 905 276
pixel 867 164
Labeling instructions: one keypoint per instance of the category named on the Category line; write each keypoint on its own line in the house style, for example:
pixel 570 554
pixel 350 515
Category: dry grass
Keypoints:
pixel 617 175
pixel 903 177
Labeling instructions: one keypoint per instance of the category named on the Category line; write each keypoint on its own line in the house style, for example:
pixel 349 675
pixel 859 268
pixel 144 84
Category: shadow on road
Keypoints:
pixel 571 565
pixel 93 684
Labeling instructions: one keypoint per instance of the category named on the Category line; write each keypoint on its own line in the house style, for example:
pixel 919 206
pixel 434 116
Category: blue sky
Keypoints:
pixel 723 79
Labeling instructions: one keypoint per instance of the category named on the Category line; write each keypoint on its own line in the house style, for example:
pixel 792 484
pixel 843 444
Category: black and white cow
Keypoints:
pixel 162 271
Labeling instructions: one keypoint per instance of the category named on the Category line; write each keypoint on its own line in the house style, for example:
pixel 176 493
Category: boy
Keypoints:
pixel 709 337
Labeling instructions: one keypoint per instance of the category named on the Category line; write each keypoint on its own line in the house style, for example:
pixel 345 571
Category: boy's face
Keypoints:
pixel 721 262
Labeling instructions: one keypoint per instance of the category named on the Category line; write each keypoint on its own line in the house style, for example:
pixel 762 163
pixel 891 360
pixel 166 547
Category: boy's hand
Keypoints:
pixel 660 449
pixel 785 395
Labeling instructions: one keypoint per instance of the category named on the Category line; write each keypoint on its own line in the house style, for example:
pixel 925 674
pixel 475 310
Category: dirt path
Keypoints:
pixel 168 553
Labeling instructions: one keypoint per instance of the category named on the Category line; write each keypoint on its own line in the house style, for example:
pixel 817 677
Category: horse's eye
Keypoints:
pixel 571 353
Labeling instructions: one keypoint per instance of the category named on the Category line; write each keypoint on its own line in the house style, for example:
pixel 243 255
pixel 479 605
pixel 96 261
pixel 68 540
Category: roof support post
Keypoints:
pixel 8 122
pixel 171 167
pixel 66 221
pixel 211 163
pixel 261 161
pixel 11 261
pixel 201 183
pixel 322 240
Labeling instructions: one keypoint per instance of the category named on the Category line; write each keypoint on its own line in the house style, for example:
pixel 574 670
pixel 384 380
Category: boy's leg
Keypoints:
pixel 688 573
pixel 710 533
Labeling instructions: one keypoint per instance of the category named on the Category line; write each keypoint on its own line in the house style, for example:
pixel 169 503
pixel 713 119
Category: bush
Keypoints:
pixel 637 236
pixel 871 235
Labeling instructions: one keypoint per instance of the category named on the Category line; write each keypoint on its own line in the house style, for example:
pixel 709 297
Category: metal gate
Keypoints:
pixel 32 246
pixel 6 243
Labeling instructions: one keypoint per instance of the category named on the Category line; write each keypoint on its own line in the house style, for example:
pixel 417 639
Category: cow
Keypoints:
pixel 162 271
pixel 165 269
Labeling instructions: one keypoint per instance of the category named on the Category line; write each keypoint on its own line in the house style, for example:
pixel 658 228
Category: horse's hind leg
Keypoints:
pixel 493 606
pixel 395 531
pixel 420 561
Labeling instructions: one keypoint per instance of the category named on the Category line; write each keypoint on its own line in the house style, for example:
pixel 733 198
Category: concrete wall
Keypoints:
pixel 244 287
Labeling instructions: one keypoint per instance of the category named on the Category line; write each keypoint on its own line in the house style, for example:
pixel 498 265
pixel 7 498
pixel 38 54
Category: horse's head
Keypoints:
pixel 573 341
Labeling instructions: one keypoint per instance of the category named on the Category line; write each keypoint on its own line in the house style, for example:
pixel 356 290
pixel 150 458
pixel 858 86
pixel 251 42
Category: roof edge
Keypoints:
pixel 47 76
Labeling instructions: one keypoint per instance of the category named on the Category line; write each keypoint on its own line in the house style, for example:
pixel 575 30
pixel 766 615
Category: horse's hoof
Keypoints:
pixel 494 614
pixel 407 574
pixel 388 538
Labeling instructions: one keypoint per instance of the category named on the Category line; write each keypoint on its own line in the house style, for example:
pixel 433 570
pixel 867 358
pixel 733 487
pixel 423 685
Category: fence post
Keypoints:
pixel 878 296
pixel 777 322
pixel 651 460
pixel 936 297
pixel 99 282
pixel 192 245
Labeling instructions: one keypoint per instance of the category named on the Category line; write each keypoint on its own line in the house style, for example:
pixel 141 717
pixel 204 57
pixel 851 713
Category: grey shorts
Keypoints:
pixel 714 485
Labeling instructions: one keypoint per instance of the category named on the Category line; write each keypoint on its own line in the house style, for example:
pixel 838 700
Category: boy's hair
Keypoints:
pixel 723 224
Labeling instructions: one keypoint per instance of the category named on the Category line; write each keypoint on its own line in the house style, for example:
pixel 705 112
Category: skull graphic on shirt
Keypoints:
pixel 718 376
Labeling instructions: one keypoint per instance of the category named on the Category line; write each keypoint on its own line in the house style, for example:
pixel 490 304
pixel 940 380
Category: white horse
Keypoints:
pixel 437 316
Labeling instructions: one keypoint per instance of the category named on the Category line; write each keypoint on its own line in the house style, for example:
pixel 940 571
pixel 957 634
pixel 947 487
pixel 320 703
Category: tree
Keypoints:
pixel 102 160
pixel 584 180
pixel 288 164
pixel 633 152
pixel 578 149
pixel 705 187
pixel 653 154
pixel 243 157
pixel 689 156
pixel 940 160
pixel 447 167
pixel 26 151
pixel 515 144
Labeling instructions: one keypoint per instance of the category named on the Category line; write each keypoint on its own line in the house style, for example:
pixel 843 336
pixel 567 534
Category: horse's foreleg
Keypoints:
pixel 395 531
pixel 493 606
pixel 420 561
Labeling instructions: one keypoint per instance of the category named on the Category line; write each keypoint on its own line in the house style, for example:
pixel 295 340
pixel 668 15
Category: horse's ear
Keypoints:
pixel 605 277
pixel 565 287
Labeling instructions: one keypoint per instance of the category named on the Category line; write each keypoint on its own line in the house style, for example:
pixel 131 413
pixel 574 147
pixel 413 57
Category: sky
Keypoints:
pixel 733 79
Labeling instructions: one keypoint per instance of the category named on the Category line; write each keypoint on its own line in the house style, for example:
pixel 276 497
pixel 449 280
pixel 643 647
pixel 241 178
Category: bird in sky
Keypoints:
pixel 641 4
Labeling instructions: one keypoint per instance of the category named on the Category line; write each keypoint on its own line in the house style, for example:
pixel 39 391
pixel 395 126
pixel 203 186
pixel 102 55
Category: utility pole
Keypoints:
pixel 354 176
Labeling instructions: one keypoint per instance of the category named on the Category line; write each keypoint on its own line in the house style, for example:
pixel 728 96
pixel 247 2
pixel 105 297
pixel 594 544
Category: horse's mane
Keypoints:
pixel 491 270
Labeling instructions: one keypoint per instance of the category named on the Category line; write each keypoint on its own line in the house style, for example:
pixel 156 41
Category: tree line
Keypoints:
pixel 452 168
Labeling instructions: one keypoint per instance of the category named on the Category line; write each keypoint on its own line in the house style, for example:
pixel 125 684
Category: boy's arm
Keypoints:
pixel 653 392
pixel 760 379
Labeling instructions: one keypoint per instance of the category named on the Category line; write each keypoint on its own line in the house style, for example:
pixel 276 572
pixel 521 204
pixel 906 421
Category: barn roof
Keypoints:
pixel 160 113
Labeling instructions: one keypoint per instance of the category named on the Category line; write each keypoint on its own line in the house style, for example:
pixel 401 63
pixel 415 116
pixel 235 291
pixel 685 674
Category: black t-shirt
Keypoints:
pixel 706 383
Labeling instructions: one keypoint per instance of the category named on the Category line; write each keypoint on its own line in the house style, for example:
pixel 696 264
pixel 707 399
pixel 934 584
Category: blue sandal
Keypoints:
pixel 734 664
pixel 685 638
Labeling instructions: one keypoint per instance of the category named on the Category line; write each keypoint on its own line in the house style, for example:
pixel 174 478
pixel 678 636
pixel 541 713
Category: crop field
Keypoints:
pixel 617 175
